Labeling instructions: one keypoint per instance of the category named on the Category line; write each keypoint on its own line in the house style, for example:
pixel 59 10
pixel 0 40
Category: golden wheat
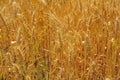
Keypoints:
pixel 59 40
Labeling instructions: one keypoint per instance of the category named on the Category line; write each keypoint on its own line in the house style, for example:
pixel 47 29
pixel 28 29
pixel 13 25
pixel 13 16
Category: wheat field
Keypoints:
pixel 59 39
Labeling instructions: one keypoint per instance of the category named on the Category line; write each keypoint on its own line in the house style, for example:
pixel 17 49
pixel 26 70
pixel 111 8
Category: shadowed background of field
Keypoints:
pixel 59 39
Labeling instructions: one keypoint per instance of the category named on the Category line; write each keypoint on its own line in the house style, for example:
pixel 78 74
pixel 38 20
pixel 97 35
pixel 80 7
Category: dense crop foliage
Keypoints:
pixel 59 39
